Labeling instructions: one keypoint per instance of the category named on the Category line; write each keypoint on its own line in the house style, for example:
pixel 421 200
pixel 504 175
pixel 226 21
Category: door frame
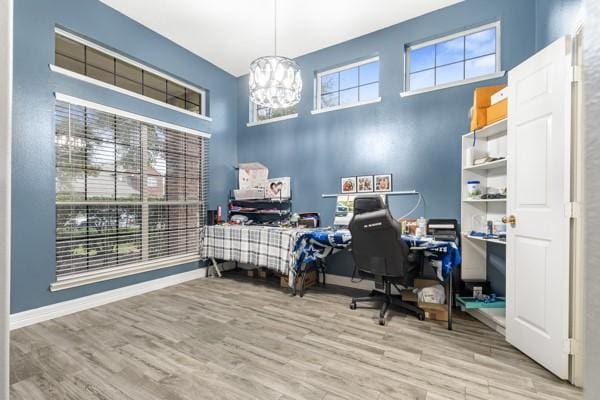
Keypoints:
pixel 6 66
pixel 577 270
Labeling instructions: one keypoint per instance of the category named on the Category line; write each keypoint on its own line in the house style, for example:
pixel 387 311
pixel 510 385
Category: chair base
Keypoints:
pixel 387 299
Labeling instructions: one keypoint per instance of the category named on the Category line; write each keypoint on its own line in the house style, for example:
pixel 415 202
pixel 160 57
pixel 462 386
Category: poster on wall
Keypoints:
pixel 383 183
pixel 349 184
pixel 278 188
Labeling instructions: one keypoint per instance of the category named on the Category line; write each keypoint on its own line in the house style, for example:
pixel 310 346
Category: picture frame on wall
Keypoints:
pixel 349 184
pixel 364 184
pixel 383 183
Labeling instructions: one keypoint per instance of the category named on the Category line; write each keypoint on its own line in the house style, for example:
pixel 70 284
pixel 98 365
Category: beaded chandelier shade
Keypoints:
pixel 275 81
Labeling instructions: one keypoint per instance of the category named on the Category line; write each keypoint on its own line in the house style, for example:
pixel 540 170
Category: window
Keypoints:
pixel 459 58
pixel 82 57
pixel 349 85
pixel 127 191
pixel 260 114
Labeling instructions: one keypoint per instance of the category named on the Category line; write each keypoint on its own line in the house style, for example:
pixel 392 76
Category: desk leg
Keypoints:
pixel 450 299
pixel 216 267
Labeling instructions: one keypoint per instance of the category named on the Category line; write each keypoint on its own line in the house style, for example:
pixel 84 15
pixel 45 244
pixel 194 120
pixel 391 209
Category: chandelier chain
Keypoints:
pixel 275 27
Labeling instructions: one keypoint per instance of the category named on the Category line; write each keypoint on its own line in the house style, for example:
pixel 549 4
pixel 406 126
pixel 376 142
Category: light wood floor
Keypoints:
pixel 235 338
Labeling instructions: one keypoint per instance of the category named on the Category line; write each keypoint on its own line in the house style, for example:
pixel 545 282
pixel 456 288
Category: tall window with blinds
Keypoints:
pixel 127 192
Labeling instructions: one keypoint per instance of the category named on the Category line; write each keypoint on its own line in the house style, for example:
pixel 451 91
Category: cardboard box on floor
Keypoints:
pixel 433 311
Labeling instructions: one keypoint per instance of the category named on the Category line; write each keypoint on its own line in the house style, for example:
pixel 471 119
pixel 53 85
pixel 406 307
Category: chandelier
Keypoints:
pixel 275 81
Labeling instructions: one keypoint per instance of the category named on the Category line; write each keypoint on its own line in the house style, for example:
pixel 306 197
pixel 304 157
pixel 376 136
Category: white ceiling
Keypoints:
pixel 232 33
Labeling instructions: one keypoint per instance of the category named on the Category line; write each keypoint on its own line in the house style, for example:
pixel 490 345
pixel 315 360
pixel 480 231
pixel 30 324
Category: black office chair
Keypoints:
pixel 380 253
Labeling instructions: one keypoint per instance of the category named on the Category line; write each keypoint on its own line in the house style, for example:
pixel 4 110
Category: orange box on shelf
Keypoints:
pixel 497 112
pixel 482 99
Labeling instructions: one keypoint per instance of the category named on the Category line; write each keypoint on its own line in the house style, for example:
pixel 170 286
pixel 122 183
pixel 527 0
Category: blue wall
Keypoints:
pixel 33 192
pixel 416 138
pixel 554 18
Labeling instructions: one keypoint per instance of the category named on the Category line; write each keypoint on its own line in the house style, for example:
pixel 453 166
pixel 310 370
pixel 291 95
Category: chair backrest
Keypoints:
pixel 377 245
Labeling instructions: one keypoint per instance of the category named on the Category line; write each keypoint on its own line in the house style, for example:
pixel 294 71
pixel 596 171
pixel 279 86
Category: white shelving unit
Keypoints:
pixel 491 140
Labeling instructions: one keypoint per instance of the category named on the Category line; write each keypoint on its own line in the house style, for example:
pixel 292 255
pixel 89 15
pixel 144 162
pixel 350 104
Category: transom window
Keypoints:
pixel 80 56
pixel 349 85
pixel 463 57
pixel 264 114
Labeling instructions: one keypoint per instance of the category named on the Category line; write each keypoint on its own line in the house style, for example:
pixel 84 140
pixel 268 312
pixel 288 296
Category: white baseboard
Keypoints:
pixel 30 317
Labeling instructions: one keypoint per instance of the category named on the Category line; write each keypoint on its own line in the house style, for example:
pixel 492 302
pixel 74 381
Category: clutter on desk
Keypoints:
pixel 309 220
pixel 408 226
pixel 263 200
pixel 421 227
pixel 443 229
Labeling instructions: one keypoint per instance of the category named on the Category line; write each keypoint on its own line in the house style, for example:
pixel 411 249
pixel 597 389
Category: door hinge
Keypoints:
pixel 572 210
pixel 576 73
pixel 569 346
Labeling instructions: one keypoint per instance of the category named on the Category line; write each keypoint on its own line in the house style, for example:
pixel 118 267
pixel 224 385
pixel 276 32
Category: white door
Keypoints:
pixel 538 186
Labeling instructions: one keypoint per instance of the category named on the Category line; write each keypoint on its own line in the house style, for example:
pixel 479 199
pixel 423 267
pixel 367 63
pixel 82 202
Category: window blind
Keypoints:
pixel 127 191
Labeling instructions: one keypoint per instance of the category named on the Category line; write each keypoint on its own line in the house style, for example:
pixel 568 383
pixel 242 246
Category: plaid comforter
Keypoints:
pixel 262 246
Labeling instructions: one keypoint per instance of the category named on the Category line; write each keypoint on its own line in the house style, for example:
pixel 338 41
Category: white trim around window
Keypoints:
pixel 127 114
pixel 96 82
pixel 86 278
pixel 454 84
pixel 318 109
pixel 360 103
pixel 497 74
pixel 271 120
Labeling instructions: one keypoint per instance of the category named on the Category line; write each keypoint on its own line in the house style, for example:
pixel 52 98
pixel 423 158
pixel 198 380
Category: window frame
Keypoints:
pixel 106 273
pixel 317 85
pixel 132 62
pixel 419 45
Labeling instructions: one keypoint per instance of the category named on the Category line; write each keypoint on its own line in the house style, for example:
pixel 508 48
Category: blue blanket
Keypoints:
pixel 318 244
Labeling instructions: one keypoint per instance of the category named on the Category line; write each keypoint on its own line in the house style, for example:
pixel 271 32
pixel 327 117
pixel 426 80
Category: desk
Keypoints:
pixel 318 244
pixel 289 250
pixel 262 246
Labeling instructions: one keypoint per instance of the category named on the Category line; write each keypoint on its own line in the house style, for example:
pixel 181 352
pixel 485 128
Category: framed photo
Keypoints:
pixel 364 183
pixel 349 184
pixel 383 183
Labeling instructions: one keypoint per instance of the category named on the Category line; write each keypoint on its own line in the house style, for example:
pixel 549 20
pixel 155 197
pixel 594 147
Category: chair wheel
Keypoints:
pixel 421 317
pixel 353 306
pixel 381 320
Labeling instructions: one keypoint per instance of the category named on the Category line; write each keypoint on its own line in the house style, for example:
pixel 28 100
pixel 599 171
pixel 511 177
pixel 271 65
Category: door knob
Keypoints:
pixel 511 219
